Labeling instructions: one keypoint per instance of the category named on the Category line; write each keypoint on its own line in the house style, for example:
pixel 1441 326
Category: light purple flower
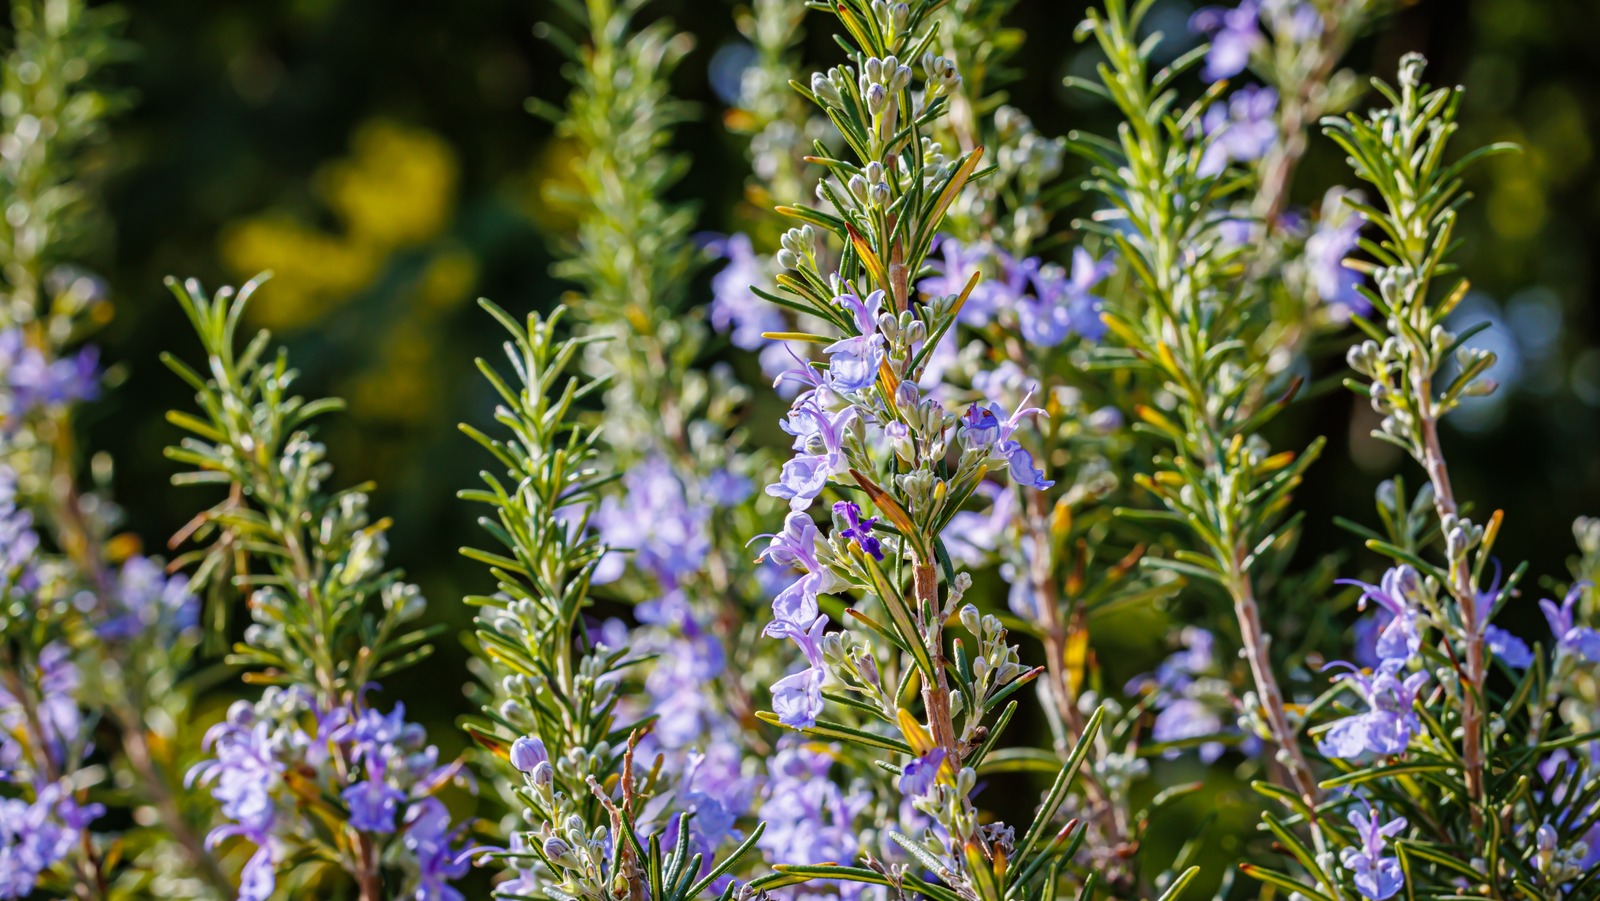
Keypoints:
pixel 146 601
pixel 1396 593
pixel 1376 877
pixel 654 517
pixel 1326 250
pixel 432 844
pixel 1064 306
pixel 1582 641
pixel 715 790
pixel 1188 701
pixel 734 306
pixel 854 361
pixel 55 722
pixel 1387 727
pixel 991 295
pixel 796 545
pixel 30 382
pixel 19 542
pixel 809 817
pixel 821 442
pixel 797 698
pixel 984 427
pixel 1235 35
pixel 528 752
pixel 971 537
pixel 918 778
pixel 373 804
pixel 36 835
pixel 1189 718
pixel 1511 650
pixel 1241 130
pixel 259 877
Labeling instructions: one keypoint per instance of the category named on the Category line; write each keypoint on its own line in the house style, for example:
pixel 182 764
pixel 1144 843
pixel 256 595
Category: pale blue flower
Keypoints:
pixel 1235 35
pixel 1581 641
pixel 1376 877
pixel 1240 130
pixel 1387 727
pixel 735 308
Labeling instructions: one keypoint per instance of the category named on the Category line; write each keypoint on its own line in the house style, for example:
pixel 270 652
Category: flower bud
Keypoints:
pixel 528 752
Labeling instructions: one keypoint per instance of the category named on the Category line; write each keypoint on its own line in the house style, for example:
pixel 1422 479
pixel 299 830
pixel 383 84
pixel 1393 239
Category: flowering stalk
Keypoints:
pixel 863 424
pixel 1030 320
pixel 677 519
pixel 1187 333
pixel 1401 153
pixel 557 682
pixel 101 626
pixel 309 771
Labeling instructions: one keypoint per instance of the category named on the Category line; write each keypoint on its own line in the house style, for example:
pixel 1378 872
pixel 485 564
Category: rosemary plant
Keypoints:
pixel 870 424
pixel 94 637
pixel 309 773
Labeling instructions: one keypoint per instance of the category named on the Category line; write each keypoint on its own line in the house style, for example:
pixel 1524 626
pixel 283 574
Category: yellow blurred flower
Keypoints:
pixel 396 190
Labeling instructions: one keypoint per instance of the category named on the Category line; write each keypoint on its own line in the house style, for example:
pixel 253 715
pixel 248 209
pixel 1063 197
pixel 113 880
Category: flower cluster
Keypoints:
pixel 281 761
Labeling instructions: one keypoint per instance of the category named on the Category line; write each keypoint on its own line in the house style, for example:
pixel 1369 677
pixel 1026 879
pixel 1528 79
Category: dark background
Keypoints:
pixel 246 130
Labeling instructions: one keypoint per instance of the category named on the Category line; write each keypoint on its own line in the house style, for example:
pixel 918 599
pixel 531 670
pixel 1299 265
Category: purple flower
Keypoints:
pixel 259 877
pixel 725 488
pixel 809 817
pixel 29 381
pixel 1396 593
pixel 717 793
pixel 55 721
pixel 797 698
pixel 1387 727
pixel 1235 35
pixel 733 305
pixel 854 361
pixel 984 427
pixel 527 753
pixel 821 457
pixel 990 295
pixel 432 845
pixel 918 778
pixel 1376 877
pixel 1064 305
pixel 375 763
pixel 1582 641
pixel 1188 718
pixel 1511 650
pixel 806 635
pixel 243 774
pixel 796 545
pixel 19 543
pixel 526 879
pixel 1241 130
pixel 668 534
pixel 857 529
pixel 146 601
pixel 685 665
pixel 1326 250
pixel 35 836
pixel 373 804
pixel 1189 705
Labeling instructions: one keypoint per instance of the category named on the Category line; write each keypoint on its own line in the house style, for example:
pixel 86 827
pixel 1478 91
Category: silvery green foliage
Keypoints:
pixel 558 684
pixel 310 775
pixel 672 691
pixel 95 638
pixel 901 689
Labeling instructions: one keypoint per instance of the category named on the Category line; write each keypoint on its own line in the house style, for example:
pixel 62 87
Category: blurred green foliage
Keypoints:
pixel 376 154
